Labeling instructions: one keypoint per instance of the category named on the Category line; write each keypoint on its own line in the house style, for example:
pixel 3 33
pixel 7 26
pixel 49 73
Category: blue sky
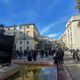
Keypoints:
pixel 50 16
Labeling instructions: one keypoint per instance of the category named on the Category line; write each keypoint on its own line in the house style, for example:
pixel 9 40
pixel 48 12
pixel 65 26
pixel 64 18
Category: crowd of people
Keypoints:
pixel 32 55
pixel 58 56
pixel 75 53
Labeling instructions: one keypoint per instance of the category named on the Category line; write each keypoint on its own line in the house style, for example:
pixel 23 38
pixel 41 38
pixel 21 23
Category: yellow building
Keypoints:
pixel 26 36
pixel 71 35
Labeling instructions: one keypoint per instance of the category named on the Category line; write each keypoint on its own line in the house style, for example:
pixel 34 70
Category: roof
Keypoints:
pixel 73 18
pixel 15 25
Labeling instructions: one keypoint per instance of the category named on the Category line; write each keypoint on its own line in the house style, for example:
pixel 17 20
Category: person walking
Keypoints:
pixel 56 57
pixel 20 54
pixel 74 54
pixel 62 56
pixel 34 55
pixel 29 56
pixel 46 53
pixel 77 54
pixel 42 53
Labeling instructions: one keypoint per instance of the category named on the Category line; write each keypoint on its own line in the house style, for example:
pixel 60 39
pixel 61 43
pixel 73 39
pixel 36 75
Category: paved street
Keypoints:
pixel 49 58
pixel 70 70
pixel 62 72
pixel 73 66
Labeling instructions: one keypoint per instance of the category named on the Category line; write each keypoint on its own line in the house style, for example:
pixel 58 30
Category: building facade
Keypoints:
pixel 71 35
pixel 48 43
pixel 26 36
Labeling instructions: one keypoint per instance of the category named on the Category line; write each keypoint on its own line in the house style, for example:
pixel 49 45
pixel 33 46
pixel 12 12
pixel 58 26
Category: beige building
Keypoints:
pixel 26 36
pixel 71 35
pixel 63 39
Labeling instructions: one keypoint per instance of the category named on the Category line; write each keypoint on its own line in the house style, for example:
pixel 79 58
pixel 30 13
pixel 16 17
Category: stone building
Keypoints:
pixel 27 36
pixel 71 35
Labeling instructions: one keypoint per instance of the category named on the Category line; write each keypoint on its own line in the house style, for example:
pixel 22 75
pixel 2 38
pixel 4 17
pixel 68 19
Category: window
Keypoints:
pixel 27 32
pixel 27 47
pixel 71 40
pixel 20 32
pixel 27 42
pixel 16 41
pixel 68 35
pixel 8 28
pixel 14 33
pixel 28 26
pixel 20 42
pixel 20 47
pixel 14 28
pixel 21 27
pixel 21 35
pixel 14 47
pixel 70 28
pixel 78 24
pixel 71 34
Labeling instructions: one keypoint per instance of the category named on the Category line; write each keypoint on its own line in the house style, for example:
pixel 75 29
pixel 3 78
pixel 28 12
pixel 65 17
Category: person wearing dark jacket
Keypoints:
pixel 29 57
pixel 34 55
pixel 59 56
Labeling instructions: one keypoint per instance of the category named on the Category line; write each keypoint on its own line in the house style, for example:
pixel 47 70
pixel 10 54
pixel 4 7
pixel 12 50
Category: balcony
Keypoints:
pixel 37 39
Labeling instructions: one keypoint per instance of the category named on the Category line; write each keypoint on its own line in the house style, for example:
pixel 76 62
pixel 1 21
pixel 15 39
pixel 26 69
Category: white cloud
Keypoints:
pixel 53 4
pixel 53 35
pixel 48 27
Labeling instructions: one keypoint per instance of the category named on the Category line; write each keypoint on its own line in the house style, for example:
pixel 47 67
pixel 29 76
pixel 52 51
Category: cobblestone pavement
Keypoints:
pixel 72 66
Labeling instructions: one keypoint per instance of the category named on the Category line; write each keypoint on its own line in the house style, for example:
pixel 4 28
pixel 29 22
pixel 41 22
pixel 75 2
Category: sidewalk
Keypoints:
pixel 63 73
pixel 72 66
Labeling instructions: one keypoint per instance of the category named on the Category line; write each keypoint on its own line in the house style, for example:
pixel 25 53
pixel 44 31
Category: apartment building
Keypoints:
pixel 71 35
pixel 27 36
pixel 63 39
